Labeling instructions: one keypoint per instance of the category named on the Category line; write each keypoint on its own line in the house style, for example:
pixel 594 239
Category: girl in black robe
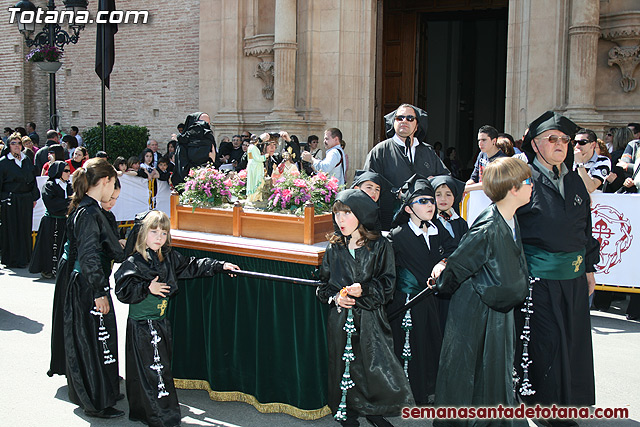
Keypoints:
pixel 146 280
pixel 18 194
pixel 56 195
pixel 361 262
pixel 416 261
pixel 90 334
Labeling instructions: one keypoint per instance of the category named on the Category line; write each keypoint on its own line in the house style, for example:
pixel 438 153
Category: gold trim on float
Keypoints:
pixel 265 408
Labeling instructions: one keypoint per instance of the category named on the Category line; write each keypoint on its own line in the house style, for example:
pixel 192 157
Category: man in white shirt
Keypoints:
pixel 334 161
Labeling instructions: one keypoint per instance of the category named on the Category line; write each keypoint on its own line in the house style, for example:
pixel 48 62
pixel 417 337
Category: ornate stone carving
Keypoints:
pixel 627 58
pixel 265 72
pixel 261 46
pixel 624 30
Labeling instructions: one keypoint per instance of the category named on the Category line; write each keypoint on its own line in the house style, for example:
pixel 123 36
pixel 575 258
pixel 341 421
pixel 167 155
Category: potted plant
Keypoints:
pixel 47 58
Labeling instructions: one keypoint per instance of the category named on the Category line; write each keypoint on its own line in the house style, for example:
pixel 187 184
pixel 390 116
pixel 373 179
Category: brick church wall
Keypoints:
pixel 154 82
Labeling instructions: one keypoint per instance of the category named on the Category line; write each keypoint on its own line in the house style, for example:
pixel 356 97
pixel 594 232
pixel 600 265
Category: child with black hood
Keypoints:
pixel 56 195
pixel 448 193
pixel 421 245
pixel 358 272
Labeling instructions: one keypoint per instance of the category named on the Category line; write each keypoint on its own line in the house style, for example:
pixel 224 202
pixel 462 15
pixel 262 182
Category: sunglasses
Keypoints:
pixel 67 170
pixel 582 141
pixel 527 181
pixel 554 138
pixel 424 201
pixel 407 118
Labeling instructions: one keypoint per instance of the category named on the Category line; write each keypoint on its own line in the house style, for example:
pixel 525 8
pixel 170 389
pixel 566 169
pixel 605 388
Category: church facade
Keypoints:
pixel 302 66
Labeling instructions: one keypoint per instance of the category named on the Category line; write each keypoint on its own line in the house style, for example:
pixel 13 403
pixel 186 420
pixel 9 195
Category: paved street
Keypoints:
pixel 30 398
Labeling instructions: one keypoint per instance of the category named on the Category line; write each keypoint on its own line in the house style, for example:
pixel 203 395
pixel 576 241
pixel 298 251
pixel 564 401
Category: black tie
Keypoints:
pixel 445 215
pixel 556 172
pixel 407 144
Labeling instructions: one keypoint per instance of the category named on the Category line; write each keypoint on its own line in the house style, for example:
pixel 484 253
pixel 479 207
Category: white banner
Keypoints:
pixel 134 198
pixel 614 217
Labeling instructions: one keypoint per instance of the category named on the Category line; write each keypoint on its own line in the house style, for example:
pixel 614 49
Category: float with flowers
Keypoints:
pixel 292 208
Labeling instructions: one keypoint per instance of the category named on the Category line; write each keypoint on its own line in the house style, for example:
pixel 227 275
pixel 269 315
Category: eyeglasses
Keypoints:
pixel 582 141
pixel 407 118
pixel 554 138
pixel 424 201
pixel 14 142
pixel 527 181
pixel 67 170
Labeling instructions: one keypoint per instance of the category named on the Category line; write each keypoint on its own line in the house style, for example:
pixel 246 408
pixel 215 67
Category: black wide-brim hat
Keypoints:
pixel 421 116
pixel 550 120
pixel 415 186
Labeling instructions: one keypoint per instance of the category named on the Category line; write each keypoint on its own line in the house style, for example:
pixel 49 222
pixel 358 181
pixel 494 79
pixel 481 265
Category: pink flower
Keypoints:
pixel 332 184
pixel 322 176
pixel 295 173
pixel 242 174
pixel 286 193
pixel 300 183
pixel 228 183
pixel 191 172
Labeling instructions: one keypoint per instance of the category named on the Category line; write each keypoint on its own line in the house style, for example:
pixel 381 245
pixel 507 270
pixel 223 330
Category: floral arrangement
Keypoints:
pixel 44 53
pixel 292 192
pixel 209 187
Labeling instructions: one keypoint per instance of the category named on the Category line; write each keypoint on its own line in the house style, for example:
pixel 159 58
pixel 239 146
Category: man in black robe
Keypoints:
pixel 561 254
pixel 402 155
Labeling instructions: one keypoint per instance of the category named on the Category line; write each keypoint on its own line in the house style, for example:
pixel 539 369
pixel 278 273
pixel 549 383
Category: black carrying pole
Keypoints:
pixel 102 79
pixel 267 276
pixel 413 301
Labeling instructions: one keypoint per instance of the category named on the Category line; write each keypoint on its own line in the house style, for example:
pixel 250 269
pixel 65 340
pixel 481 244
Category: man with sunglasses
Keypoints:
pixel 402 155
pixel 592 168
pixel 556 365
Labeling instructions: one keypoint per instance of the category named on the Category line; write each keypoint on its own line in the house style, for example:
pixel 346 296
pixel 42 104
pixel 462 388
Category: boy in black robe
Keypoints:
pixel 487 275
pixel 420 245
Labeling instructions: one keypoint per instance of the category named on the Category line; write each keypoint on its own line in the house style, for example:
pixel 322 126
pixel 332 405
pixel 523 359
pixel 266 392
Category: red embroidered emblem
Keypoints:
pixel 613 231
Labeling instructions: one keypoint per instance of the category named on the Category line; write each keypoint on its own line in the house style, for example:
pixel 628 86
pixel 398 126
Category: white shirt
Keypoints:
pixel 18 161
pixel 79 138
pixel 432 230
pixel 62 184
pixel 447 224
pixel 334 163
pixel 414 144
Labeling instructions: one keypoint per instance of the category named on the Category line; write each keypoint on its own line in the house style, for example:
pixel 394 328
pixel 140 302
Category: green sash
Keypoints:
pixel 554 265
pixel 152 307
pixel 406 282
pixel 46 213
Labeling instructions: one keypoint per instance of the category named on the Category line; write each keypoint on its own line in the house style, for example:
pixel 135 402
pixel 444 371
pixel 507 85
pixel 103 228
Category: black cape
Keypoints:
pixel 52 231
pixel 91 344
pixel 488 274
pixel 147 400
pixel 18 191
pixel 194 146
pixel 380 384
pixel 560 348
pixel 413 254
pixel 389 160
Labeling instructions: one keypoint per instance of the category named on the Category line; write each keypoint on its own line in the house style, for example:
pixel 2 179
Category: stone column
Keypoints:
pixel 584 32
pixel 284 49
